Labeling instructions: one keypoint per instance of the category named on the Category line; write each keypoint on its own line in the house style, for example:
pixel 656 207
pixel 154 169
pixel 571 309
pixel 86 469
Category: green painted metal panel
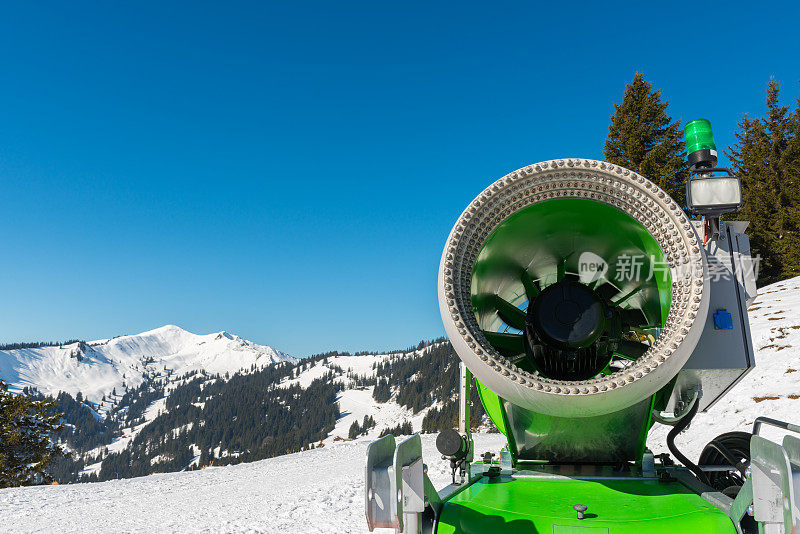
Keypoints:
pixel 492 406
pixel 569 529
pixel 523 505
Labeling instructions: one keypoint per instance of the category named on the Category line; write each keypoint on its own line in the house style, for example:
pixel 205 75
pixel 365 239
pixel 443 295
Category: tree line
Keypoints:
pixel 644 138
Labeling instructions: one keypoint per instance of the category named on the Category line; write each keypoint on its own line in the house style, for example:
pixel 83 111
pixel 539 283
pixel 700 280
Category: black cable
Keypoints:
pixel 683 423
pixel 455 465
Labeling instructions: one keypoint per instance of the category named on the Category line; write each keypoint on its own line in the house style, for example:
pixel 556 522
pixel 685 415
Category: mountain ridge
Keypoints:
pixel 98 368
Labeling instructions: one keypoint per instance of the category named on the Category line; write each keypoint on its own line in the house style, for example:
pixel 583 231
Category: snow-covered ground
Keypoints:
pixel 316 491
pixel 320 490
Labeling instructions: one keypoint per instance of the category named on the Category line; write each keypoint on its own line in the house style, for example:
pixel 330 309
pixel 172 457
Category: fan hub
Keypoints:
pixel 566 315
pixel 568 312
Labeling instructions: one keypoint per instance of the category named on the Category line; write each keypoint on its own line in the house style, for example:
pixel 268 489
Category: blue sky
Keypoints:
pixel 289 172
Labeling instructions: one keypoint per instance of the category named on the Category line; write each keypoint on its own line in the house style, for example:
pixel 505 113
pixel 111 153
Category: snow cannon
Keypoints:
pixel 573 289
pixel 576 291
pixel 586 306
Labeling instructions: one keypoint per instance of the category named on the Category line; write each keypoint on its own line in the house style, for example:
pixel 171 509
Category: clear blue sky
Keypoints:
pixel 289 172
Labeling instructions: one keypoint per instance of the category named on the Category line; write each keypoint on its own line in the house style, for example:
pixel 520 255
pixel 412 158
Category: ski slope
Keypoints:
pixel 357 402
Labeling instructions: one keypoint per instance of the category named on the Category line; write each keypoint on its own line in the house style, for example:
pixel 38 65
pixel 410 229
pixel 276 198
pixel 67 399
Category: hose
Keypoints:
pixel 677 429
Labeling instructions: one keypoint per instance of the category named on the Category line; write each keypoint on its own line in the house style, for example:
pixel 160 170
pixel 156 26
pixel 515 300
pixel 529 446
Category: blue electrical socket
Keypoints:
pixel 723 320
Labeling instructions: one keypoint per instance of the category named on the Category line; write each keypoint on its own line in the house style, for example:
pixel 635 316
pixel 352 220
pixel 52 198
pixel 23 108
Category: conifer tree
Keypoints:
pixel 642 137
pixel 355 430
pixel 767 159
pixel 26 448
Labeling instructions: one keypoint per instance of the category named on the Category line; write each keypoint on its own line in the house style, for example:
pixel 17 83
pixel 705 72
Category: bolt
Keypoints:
pixel 580 508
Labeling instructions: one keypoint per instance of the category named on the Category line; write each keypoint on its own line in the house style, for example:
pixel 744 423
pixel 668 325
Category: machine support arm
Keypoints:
pixel 465 419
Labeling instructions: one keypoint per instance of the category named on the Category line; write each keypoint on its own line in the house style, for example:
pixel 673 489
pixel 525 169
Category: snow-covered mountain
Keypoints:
pixel 97 368
pixel 168 399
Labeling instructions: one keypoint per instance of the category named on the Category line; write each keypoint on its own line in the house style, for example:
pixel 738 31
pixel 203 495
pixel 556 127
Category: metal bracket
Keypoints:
pixel 464 419
pixel 506 462
pixel 672 421
pixel 775 472
pixel 398 489
pixel 648 464
pixel 408 485
pixel 741 505
pixel 771 489
pixel 380 455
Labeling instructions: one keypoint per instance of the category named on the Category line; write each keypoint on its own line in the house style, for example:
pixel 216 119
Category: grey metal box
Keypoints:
pixel 722 356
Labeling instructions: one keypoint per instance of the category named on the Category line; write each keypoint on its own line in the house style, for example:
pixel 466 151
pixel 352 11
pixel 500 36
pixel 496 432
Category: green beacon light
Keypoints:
pixel 700 147
pixel 708 192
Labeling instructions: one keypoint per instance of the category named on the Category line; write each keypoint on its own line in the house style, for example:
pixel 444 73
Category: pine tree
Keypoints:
pixel 767 159
pixel 355 430
pixel 26 448
pixel 642 137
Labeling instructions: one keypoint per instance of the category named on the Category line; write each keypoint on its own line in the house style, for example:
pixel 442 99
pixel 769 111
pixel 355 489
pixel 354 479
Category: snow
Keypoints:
pixel 316 491
pixel 357 402
pixel 360 365
pixel 96 368
pixel 354 404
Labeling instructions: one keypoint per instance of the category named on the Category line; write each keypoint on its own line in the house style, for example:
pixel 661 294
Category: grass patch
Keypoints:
pixel 762 399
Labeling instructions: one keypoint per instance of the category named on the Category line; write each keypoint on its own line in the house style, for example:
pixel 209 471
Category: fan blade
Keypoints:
pixel 628 295
pixel 631 350
pixel 633 317
pixel 607 291
pixel 508 344
pixel 593 285
pixel 532 288
pixel 510 314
